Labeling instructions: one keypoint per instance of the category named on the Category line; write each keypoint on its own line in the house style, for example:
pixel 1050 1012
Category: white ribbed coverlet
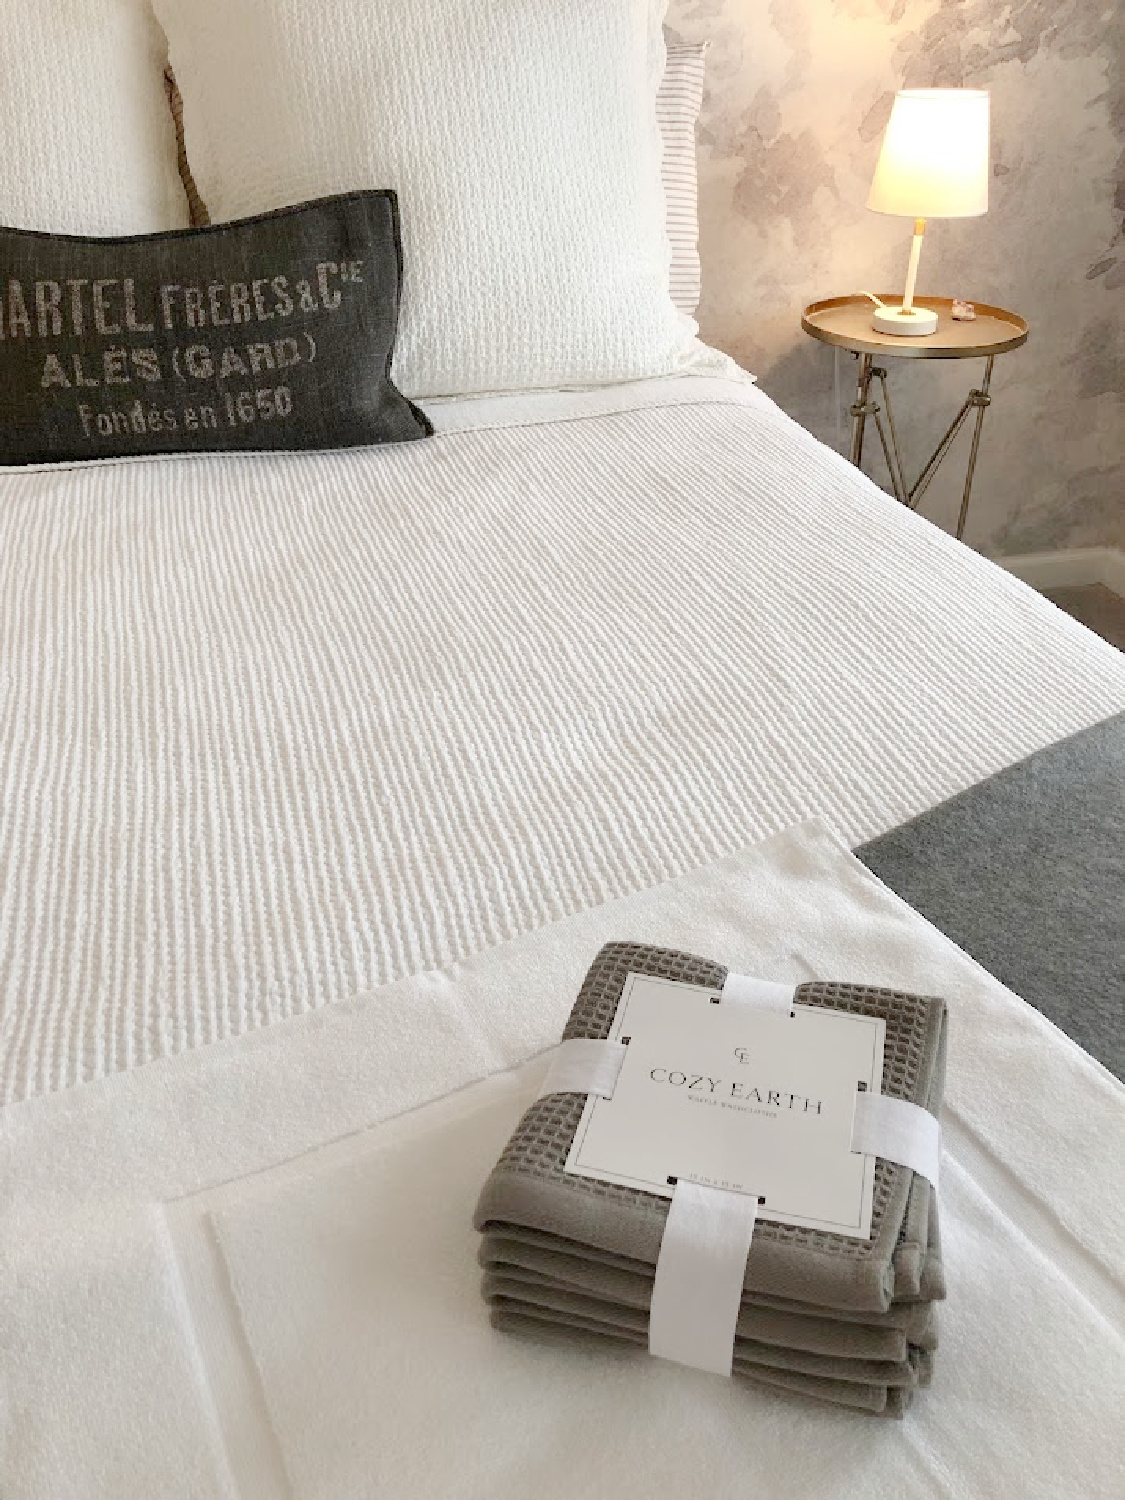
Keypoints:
pixel 276 730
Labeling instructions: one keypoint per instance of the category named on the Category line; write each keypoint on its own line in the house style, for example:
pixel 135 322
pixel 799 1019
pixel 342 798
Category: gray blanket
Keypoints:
pixel 1026 872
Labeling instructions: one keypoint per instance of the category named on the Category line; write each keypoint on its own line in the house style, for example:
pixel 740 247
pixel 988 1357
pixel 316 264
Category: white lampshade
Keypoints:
pixel 934 161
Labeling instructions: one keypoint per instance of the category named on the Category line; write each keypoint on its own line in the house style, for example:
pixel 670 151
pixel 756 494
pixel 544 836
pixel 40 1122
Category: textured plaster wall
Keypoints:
pixel 798 94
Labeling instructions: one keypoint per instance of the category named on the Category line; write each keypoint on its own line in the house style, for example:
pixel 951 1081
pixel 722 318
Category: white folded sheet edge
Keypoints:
pixel 894 1129
pixel 702 1260
pixel 706 376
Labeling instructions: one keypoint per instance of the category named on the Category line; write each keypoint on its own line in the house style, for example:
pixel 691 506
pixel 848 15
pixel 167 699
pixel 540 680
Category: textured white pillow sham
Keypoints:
pixel 520 135
pixel 678 102
pixel 86 142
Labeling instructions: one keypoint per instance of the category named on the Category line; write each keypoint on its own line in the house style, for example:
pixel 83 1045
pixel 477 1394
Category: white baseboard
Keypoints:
pixel 1057 570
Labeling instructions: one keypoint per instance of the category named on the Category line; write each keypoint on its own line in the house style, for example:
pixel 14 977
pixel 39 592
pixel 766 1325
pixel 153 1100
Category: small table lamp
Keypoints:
pixel 933 165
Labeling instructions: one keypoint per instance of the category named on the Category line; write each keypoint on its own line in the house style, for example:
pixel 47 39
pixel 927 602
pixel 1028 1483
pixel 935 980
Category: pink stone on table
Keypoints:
pixel 963 312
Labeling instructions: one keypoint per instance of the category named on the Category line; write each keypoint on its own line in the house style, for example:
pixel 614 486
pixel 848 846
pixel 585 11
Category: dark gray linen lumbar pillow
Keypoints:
pixel 274 332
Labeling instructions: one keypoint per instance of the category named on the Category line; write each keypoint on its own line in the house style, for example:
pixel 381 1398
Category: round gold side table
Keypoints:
pixel 846 323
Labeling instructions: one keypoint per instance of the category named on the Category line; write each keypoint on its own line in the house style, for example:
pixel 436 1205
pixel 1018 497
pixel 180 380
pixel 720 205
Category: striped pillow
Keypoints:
pixel 678 102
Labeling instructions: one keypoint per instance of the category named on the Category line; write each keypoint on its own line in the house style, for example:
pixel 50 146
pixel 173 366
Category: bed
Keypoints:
pixel 324 774
pixel 277 730
pixel 281 731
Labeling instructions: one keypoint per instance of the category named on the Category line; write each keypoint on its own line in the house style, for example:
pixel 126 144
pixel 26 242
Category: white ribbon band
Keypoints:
pixel 891 1128
pixel 584 1065
pixel 741 989
pixel 699 1274
pixel 898 1131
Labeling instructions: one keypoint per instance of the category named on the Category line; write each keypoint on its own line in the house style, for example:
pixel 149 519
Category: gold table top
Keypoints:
pixel 846 322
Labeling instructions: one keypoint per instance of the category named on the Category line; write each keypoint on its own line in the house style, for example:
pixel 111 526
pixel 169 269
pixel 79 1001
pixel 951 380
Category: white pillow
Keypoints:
pixel 86 142
pixel 520 135
pixel 678 102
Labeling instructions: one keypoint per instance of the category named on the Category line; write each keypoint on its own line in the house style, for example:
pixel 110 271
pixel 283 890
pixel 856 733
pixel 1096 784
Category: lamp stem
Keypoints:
pixel 912 267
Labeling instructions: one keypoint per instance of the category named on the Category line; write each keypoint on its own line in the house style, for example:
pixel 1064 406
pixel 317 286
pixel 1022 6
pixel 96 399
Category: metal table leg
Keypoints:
pixel 891 450
pixel 860 408
pixel 864 407
pixel 981 400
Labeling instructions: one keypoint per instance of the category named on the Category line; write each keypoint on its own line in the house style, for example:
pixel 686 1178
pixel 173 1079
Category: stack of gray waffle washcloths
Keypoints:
pixel 842 1320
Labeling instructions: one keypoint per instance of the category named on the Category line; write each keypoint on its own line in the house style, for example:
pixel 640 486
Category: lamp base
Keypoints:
pixel 918 321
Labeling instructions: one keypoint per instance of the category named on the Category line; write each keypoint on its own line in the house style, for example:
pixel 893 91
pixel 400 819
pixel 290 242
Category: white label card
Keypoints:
pixel 736 1097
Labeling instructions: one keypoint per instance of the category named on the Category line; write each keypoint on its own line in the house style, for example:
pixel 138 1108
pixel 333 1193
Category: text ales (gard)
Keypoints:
pixel 78 307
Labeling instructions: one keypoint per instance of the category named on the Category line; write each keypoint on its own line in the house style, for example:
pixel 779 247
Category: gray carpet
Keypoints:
pixel 1026 871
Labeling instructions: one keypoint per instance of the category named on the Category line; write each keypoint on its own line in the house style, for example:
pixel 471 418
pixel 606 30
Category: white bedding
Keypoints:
pixel 276 730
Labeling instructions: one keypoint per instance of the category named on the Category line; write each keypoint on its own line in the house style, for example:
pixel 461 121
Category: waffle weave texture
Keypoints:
pixel 913 1070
